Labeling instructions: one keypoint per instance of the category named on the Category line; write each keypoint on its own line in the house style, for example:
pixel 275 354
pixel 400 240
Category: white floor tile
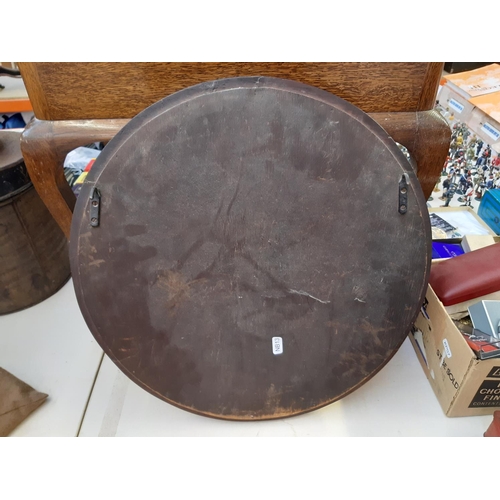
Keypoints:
pixel 49 347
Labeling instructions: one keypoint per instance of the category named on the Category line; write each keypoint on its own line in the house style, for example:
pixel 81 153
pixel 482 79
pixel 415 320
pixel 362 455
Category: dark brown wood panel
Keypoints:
pixel 75 91
pixel 265 208
pixel 430 87
pixel 427 137
pixel 45 145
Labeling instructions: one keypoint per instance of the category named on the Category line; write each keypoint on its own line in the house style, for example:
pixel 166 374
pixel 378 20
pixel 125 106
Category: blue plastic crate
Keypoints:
pixel 489 209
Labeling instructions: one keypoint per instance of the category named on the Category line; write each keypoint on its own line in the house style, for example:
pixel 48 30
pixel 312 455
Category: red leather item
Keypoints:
pixel 494 428
pixel 467 276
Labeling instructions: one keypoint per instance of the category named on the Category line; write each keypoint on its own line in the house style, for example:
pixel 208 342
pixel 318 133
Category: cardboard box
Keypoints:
pixel 477 82
pixel 468 225
pixel 485 316
pixel 469 243
pixel 473 242
pixel 463 384
pixel 457 105
pixel 486 118
pixel 465 219
pixel 485 127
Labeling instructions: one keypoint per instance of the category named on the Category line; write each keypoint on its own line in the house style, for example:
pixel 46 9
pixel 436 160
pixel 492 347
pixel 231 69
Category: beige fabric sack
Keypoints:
pixel 17 401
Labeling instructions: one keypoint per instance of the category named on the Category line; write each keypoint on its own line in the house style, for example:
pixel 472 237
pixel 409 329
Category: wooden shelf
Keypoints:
pixel 14 98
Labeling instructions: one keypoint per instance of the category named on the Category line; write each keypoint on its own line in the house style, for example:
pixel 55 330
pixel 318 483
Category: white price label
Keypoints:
pixel 277 345
pixel 446 353
pixel 447 349
pixel 491 131
pixel 456 105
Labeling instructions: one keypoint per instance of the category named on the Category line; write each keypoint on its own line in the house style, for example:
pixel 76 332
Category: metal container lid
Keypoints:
pixel 251 248
pixel 14 176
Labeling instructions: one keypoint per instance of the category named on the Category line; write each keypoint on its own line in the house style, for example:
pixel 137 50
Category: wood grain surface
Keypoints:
pixel 78 91
pixel 254 217
pixel 430 86
pixel 46 144
pixel 427 137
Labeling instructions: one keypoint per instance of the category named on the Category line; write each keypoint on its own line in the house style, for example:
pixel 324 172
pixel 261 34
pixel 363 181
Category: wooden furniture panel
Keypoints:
pixel 79 91
pixel 45 145
pixel 78 103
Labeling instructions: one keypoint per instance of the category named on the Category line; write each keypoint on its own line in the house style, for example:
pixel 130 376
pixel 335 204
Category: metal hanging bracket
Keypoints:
pixel 403 194
pixel 95 207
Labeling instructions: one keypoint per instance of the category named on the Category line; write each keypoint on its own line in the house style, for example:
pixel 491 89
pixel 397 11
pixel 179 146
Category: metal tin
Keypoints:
pixel 34 261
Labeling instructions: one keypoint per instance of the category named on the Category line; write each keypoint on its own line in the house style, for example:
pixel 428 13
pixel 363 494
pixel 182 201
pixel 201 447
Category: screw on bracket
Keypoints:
pixel 403 194
pixel 95 207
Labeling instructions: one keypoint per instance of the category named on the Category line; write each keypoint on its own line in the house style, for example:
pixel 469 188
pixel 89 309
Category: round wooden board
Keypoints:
pixel 239 211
